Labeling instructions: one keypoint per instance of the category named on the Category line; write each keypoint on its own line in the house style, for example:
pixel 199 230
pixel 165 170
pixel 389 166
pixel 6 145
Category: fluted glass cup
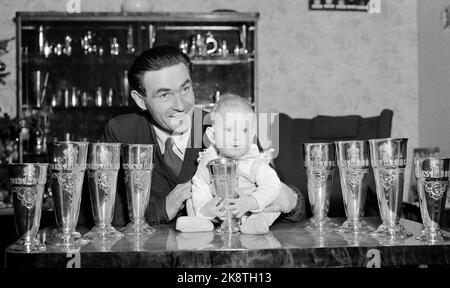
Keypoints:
pixel 27 189
pixel 103 163
pixel 320 161
pixel 388 160
pixel 353 160
pixel 225 180
pixel 67 160
pixel 432 187
pixel 137 162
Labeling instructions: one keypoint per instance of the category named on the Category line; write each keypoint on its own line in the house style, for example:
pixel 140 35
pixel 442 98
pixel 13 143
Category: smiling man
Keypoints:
pixel 162 87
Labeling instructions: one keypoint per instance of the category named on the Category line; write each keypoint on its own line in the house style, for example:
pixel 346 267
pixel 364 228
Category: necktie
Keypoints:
pixel 172 160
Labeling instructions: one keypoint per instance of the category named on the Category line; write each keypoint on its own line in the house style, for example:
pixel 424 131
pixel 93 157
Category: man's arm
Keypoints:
pixel 290 203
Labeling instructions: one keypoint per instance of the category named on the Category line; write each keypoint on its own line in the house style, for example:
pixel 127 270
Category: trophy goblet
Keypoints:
pixel 137 162
pixel 103 165
pixel 388 160
pixel 353 160
pixel 27 188
pixel 67 161
pixel 225 184
pixel 319 159
pixel 432 187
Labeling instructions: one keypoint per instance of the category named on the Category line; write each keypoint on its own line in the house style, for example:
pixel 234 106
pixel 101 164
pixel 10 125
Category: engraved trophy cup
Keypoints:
pixel 137 162
pixel 388 160
pixel 103 163
pixel 432 187
pixel 225 184
pixel 353 160
pixel 27 188
pixel 319 159
pixel 67 161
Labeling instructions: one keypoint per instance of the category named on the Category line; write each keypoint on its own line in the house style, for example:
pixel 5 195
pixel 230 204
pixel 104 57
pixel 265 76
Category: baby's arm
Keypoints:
pixel 268 185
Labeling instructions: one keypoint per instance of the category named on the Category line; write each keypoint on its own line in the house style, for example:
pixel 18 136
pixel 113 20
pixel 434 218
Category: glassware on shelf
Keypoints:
pixel 114 47
pixel 99 97
pixel 130 39
pixel 109 98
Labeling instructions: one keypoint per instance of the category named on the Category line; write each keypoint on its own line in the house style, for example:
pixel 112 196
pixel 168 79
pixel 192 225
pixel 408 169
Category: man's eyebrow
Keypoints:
pixel 187 81
pixel 162 90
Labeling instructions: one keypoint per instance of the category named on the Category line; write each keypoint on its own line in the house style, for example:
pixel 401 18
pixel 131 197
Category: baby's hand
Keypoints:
pixel 241 205
pixel 214 208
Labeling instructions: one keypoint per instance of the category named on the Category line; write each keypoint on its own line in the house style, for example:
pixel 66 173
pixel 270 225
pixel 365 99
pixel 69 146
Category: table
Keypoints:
pixel 286 245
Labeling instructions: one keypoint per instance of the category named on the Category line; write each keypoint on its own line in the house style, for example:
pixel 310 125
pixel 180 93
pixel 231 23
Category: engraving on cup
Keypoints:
pixel 432 187
pixel 27 182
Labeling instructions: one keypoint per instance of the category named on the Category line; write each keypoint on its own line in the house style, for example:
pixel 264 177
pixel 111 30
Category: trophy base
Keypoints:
pixel 358 227
pixel 66 240
pixel 396 231
pixel 23 245
pixel 100 233
pixel 433 236
pixel 228 227
pixel 324 224
pixel 138 228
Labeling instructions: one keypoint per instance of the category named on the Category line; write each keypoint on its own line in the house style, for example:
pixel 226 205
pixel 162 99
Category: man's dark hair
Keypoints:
pixel 155 59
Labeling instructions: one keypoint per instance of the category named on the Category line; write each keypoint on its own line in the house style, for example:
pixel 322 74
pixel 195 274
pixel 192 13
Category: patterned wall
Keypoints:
pixel 310 62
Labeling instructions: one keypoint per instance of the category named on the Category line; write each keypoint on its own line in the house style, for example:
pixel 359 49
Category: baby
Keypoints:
pixel 232 135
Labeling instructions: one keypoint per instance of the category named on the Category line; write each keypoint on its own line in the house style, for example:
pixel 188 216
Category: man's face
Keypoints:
pixel 169 97
pixel 233 132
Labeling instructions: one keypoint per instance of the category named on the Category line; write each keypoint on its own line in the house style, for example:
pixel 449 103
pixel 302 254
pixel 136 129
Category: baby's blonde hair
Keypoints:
pixel 232 101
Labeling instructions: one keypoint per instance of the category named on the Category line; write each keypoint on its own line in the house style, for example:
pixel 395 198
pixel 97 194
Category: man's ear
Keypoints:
pixel 210 134
pixel 138 99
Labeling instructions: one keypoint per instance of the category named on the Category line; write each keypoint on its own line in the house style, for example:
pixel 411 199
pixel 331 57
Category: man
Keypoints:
pixel 161 83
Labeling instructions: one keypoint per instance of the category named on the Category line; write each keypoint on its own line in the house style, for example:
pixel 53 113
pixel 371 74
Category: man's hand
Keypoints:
pixel 176 199
pixel 214 208
pixel 241 205
pixel 286 201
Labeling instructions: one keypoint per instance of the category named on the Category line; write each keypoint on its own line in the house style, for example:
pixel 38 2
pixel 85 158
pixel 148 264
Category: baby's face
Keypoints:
pixel 233 132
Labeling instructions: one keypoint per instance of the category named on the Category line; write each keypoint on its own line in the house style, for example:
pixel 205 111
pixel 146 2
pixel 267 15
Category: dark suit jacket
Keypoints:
pixel 136 128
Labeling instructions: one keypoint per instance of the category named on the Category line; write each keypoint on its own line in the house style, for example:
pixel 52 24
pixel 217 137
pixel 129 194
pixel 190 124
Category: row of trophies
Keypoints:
pixel 68 161
pixel 388 158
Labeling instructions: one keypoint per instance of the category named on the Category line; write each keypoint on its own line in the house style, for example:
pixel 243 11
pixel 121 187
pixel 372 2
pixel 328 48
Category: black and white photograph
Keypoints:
pixel 233 143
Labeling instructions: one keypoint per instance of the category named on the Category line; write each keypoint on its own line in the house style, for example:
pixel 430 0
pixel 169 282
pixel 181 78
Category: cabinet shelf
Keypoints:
pixel 219 60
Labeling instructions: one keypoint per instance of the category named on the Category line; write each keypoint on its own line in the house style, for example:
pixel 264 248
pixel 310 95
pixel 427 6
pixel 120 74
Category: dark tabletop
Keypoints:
pixel 286 245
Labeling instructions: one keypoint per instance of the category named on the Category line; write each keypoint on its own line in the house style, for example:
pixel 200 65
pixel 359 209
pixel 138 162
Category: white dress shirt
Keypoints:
pixel 180 141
